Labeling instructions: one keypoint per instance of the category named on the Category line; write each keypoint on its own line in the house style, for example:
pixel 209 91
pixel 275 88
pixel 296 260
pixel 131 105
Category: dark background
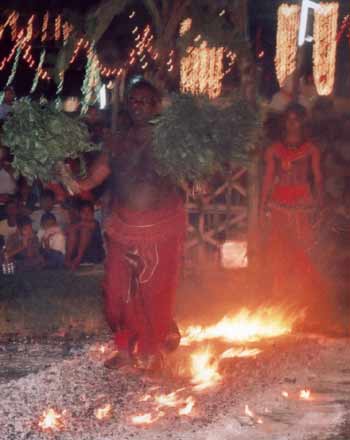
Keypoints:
pixel 262 29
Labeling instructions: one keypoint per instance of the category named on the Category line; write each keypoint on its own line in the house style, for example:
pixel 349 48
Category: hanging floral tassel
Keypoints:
pixel 325 47
pixel 38 71
pixel 14 66
pixel 286 41
pixel 92 80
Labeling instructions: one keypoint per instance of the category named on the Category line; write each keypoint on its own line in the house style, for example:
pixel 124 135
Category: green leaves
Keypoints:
pixel 41 136
pixel 194 138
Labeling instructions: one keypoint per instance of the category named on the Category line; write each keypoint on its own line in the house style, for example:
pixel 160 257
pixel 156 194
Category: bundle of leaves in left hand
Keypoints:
pixel 195 137
pixel 40 137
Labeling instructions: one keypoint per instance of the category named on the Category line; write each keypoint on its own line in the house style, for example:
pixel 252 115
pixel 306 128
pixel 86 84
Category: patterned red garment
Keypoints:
pixel 144 252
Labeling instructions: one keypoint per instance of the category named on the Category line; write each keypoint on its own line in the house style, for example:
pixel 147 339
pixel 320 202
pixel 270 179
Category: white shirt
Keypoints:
pixel 57 211
pixel 54 237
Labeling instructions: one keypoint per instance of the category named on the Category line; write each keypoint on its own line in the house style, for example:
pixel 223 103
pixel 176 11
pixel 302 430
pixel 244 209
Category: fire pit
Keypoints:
pixel 246 377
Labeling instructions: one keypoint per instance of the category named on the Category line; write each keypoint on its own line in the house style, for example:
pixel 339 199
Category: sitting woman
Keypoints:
pixel 23 247
pixel 84 239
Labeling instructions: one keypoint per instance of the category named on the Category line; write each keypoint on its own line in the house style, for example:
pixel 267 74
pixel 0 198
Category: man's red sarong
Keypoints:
pixel 144 252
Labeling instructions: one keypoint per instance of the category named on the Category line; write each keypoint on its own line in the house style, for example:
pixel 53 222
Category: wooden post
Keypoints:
pixel 115 105
pixel 253 208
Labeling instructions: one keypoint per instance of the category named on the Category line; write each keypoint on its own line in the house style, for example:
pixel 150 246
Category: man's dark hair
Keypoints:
pixel 296 108
pixel 22 221
pixel 48 194
pixel 48 216
pixel 145 85
pixel 87 204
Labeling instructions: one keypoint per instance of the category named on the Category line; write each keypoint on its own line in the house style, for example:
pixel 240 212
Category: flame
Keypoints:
pixel 248 412
pixel 204 370
pixel 51 420
pixel 104 412
pixel 245 326
pixel 146 419
pixel 188 408
pixel 240 353
pixel 103 349
pixel 169 400
pixel 145 398
pixel 305 394
pixel 285 394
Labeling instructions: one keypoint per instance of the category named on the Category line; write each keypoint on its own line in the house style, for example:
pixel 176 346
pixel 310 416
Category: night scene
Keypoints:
pixel 175 220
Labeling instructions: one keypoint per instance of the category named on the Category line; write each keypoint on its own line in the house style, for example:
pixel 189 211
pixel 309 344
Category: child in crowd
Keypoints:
pixel 23 246
pixel 8 226
pixel 53 242
pixel 48 205
pixel 84 239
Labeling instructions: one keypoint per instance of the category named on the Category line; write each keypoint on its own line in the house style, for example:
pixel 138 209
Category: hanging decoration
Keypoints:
pixel 38 71
pixel 286 44
pixel 14 66
pixel 58 27
pixel 13 24
pixel 30 26
pixel 92 81
pixel 325 47
pixel 45 27
pixel 201 71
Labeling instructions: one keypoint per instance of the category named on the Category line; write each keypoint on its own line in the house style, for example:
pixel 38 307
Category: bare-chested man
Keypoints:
pixel 145 230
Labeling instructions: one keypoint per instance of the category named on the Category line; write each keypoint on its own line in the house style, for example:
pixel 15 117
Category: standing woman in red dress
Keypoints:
pixel 290 200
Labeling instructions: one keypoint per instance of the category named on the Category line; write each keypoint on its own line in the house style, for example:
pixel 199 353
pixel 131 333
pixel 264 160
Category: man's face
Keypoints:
pixel 46 203
pixel 86 214
pixel 27 231
pixel 141 105
pixel 9 96
pixel 293 124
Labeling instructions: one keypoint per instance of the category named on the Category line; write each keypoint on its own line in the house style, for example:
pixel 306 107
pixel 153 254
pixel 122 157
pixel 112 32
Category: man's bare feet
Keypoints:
pixel 117 360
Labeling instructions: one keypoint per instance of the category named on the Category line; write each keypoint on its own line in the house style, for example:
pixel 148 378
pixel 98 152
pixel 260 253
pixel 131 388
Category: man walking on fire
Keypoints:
pixel 145 231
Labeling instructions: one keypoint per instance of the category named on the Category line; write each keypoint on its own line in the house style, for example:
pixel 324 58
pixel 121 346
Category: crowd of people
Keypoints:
pixel 41 225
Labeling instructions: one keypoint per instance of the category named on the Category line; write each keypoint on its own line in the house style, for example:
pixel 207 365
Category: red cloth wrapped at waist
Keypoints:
pixel 292 195
pixel 129 227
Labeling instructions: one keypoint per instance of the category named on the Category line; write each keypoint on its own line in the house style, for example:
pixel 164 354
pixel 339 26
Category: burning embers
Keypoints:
pixel 228 341
pixel 51 420
pixel 204 370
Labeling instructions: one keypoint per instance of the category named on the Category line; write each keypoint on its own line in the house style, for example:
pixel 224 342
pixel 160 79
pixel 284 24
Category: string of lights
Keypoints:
pixel 286 41
pixel 325 47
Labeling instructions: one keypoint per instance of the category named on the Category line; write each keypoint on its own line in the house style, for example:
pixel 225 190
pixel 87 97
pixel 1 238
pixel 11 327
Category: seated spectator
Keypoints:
pixel 53 242
pixel 84 239
pixel 5 107
pixel 47 204
pixel 26 197
pixel 8 184
pixel 23 246
pixel 8 226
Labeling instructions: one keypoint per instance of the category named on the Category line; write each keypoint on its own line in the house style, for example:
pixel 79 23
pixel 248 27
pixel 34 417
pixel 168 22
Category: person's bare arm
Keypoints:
pixel 317 173
pixel 98 173
pixel 268 177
